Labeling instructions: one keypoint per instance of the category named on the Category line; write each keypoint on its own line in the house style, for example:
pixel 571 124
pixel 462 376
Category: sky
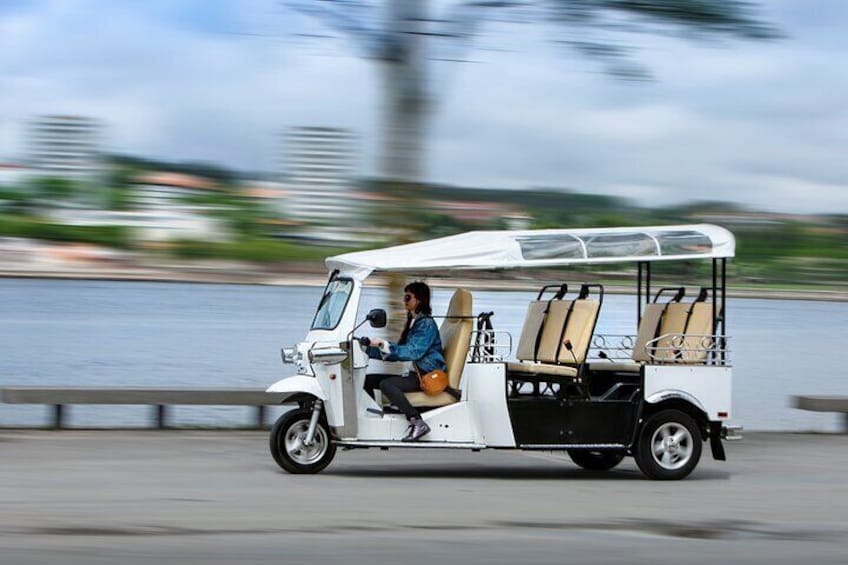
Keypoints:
pixel 760 124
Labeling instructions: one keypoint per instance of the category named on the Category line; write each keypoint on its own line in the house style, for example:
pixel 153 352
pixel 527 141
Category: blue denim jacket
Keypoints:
pixel 423 347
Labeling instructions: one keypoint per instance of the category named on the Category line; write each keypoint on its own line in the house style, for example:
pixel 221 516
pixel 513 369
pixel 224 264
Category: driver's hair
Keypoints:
pixel 422 293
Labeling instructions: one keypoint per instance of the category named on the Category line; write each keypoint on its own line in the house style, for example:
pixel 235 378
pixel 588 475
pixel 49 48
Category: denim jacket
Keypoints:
pixel 423 347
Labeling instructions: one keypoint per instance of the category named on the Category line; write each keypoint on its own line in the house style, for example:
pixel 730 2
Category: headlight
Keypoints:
pixel 327 355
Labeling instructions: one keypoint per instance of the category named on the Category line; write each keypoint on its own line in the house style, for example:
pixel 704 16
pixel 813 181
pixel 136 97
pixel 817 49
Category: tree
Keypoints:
pixel 398 41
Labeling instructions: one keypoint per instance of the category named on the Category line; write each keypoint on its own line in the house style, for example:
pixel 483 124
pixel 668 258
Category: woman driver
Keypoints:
pixel 420 343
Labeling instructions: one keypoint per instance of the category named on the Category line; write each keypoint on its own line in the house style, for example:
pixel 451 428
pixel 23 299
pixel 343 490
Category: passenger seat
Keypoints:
pixel 456 337
pixel 566 321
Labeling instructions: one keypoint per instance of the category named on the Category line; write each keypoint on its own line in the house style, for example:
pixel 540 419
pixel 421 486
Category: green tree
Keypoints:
pixel 55 188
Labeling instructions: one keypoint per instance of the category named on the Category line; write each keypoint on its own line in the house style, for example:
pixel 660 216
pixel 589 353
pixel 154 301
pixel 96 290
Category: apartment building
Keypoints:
pixel 65 146
pixel 320 164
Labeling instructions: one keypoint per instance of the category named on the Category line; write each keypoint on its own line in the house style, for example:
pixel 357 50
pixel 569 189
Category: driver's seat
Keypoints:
pixel 456 336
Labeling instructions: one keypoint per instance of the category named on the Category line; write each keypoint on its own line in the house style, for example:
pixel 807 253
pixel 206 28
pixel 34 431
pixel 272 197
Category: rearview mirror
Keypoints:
pixel 377 318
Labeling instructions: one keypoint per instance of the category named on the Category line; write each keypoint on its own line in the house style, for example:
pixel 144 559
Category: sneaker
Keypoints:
pixel 417 429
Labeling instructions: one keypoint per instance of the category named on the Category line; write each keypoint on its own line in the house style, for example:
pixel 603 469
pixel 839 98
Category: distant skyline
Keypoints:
pixel 759 124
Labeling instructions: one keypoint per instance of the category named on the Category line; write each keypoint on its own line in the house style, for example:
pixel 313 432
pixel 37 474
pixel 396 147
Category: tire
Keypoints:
pixel 595 460
pixel 669 446
pixel 287 448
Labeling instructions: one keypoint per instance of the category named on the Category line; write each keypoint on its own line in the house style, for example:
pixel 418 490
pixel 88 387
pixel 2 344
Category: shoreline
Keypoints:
pixel 250 276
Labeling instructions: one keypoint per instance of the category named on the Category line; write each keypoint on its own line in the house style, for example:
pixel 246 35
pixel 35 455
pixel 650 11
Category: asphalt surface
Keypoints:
pixel 76 497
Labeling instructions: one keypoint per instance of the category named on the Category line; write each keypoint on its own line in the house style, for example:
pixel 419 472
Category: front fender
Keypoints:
pixel 298 384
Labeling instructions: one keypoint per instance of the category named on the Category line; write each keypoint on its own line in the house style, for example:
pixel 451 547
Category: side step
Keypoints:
pixel 354 443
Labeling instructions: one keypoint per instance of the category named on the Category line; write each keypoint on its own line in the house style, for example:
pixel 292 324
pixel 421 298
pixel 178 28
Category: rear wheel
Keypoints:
pixel 595 460
pixel 669 445
pixel 288 447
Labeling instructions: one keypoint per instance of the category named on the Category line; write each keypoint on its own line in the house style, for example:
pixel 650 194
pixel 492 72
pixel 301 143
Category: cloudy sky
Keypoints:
pixel 761 124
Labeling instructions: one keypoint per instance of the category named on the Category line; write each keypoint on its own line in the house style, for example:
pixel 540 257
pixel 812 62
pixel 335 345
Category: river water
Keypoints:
pixel 102 333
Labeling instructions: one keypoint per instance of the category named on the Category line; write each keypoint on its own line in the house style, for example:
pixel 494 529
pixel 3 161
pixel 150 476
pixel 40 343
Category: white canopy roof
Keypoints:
pixel 542 248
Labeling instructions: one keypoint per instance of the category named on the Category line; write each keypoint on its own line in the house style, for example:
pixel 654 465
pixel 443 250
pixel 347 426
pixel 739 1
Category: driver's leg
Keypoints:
pixel 372 382
pixel 394 388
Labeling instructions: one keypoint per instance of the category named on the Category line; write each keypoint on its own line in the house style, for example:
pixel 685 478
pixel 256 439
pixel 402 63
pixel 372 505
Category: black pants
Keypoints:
pixel 393 387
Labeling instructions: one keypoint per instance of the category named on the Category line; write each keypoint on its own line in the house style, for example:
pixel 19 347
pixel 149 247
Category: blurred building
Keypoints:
pixel 65 147
pixel 319 163
pixel 149 225
pixel 160 190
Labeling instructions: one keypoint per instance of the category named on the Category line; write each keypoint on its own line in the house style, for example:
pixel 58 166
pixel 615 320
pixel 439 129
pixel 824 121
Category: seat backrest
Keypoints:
pixel 572 320
pixel 700 326
pixel 673 324
pixel 648 326
pixel 456 334
pixel 680 319
pixel 579 330
pixel 530 331
pixel 552 329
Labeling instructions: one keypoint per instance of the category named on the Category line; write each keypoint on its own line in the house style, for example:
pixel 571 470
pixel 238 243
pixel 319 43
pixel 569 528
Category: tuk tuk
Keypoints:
pixel 656 393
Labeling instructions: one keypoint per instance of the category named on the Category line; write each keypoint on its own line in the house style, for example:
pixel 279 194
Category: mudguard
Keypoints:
pixel 298 384
pixel 667 394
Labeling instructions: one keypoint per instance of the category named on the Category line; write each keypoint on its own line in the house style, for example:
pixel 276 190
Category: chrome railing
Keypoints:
pixel 489 346
pixel 683 348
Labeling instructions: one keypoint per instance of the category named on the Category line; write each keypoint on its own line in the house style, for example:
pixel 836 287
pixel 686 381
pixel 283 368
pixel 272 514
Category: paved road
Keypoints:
pixel 89 498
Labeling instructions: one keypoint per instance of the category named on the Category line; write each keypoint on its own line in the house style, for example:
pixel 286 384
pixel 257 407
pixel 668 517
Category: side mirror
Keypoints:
pixel 377 318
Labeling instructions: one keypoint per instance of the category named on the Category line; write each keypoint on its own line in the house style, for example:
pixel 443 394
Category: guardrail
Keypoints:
pixel 160 398
pixel 823 404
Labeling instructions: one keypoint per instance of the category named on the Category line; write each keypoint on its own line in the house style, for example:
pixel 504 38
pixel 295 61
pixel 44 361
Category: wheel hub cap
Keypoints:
pixel 296 447
pixel 672 445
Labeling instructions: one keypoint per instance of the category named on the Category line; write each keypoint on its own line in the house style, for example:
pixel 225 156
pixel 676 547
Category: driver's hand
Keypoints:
pixel 377 343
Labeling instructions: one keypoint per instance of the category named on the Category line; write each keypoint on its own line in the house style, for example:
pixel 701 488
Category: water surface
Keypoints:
pixel 103 333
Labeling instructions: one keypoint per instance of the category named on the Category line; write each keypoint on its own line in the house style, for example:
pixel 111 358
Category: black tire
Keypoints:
pixel 595 460
pixel 669 446
pixel 288 429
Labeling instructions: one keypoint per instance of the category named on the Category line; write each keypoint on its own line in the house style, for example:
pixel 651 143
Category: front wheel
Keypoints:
pixel 669 446
pixel 595 460
pixel 288 447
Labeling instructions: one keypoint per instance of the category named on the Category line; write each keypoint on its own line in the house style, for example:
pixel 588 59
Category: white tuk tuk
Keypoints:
pixel 656 394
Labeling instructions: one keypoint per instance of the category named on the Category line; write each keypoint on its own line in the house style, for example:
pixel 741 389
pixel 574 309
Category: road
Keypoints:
pixel 131 497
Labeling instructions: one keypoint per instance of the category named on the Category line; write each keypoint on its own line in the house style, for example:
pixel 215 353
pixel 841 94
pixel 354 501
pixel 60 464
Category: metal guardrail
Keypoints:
pixel 823 404
pixel 159 398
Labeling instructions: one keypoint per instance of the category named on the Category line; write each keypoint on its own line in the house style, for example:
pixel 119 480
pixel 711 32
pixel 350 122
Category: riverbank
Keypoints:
pixel 313 274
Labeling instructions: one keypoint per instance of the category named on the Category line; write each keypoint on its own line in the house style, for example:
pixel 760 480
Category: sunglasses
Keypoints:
pixel 407 297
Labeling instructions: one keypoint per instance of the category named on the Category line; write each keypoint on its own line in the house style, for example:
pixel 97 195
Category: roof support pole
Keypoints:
pixel 639 294
pixel 714 298
pixel 723 308
pixel 648 283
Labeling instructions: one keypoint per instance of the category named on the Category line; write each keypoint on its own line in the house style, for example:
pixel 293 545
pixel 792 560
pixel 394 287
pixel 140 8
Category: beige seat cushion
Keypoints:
pixel 424 400
pixel 530 368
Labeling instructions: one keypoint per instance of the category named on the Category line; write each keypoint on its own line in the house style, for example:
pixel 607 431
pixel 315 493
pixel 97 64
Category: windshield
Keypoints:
pixel 332 304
